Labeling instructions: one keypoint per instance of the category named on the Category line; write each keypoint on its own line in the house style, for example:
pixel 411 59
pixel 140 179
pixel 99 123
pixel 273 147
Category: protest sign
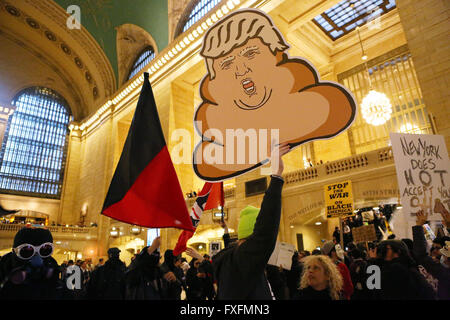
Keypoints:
pixel 282 255
pixel 422 166
pixel 339 199
pixel 364 234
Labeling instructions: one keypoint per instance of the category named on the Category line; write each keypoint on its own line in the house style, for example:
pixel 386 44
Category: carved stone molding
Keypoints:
pixel 131 40
pixel 176 9
pixel 48 20
pixel 49 35
pixel 82 36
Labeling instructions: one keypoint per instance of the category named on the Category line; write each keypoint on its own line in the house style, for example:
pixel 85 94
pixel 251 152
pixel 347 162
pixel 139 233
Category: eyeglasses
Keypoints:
pixel 27 251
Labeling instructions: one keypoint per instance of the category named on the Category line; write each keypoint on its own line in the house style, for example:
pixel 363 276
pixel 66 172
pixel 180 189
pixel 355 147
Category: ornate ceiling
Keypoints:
pixel 102 17
pixel 39 49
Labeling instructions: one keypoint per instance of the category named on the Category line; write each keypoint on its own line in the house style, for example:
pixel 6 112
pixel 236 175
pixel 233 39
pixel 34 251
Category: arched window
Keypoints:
pixel 142 60
pixel 33 154
pixel 194 12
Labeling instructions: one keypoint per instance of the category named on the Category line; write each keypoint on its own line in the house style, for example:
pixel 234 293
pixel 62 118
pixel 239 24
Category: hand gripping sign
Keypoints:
pixel 255 94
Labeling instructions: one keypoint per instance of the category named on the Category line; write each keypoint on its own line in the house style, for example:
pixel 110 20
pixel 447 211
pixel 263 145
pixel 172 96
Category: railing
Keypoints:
pixel 371 159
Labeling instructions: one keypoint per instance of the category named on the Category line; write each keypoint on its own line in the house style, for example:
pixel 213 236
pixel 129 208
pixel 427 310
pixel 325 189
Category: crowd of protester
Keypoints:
pixel 387 269
pixel 408 271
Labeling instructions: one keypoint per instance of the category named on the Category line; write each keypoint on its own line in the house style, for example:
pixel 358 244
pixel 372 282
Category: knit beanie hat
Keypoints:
pixel 33 236
pixel 327 247
pixel 247 221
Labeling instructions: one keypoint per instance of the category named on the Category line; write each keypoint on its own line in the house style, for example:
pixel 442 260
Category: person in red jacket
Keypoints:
pixel 329 249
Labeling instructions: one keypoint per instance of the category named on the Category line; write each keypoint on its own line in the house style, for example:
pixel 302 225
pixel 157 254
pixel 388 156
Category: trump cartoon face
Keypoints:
pixel 243 76
pixel 253 89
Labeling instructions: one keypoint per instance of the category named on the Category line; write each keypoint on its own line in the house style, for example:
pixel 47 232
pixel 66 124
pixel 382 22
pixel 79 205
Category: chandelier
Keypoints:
pixel 376 108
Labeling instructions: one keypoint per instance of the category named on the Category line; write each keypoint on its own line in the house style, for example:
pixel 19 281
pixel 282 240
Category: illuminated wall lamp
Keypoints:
pixel 135 230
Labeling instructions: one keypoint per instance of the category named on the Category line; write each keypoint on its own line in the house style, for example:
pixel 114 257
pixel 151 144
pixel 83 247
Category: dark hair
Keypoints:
pixel 441 240
pixel 398 247
pixel 351 246
pixel 191 263
pixel 316 252
pixel 306 253
pixel 356 253
pixel 409 243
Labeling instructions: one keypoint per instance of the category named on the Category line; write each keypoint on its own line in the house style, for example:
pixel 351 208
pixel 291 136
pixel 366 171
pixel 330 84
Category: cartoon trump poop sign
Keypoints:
pixel 254 94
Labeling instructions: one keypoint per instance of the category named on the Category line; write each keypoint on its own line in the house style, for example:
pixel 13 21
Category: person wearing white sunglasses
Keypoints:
pixel 29 270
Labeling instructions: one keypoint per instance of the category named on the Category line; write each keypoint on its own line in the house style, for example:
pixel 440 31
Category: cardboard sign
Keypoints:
pixel 254 94
pixel 364 234
pixel 339 199
pixel 282 255
pixel 422 166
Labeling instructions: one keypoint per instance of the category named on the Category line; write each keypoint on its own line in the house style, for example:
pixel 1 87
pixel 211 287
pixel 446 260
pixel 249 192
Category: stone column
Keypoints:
pixel 427 27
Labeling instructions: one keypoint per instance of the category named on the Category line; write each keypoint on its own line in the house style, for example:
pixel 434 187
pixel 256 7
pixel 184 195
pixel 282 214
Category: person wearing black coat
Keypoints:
pixel 173 275
pixel 108 281
pixel 294 275
pixel 400 279
pixel 29 272
pixel 277 280
pixel 358 273
pixel 239 268
pixel 208 282
pixel 439 273
pixel 144 278
pixel 194 281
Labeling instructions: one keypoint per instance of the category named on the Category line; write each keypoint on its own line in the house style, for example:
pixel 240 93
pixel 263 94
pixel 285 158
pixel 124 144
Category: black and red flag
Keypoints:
pixel 145 190
pixel 210 197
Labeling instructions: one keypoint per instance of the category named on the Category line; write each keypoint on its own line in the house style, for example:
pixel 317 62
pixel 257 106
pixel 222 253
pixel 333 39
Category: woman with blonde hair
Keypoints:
pixel 321 279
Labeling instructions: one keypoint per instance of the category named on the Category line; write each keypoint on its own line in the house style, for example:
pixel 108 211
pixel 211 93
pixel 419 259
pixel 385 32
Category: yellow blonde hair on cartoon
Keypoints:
pixel 235 30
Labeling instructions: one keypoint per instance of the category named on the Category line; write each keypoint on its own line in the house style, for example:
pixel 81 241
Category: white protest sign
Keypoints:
pixel 282 255
pixel 423 168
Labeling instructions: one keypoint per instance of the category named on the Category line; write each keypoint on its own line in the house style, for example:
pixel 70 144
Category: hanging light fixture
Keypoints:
pixel 376 108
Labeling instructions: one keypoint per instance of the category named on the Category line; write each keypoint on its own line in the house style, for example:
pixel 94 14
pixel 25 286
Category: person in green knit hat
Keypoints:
pixel 247 221
pixel 239 268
